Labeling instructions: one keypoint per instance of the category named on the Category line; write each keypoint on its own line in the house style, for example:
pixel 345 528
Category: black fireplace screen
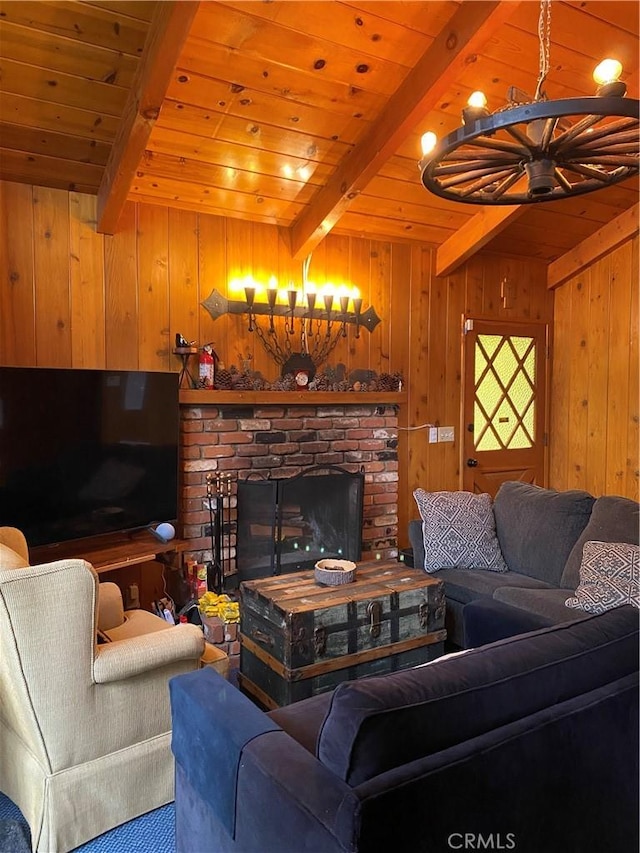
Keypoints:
pixel 287 525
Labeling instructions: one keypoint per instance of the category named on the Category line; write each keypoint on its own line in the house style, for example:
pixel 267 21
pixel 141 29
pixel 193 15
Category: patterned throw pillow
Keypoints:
pixel 459 530
pixel 609 577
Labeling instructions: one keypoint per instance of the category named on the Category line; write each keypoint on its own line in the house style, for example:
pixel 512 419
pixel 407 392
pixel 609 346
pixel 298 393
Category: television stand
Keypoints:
pixel 137 558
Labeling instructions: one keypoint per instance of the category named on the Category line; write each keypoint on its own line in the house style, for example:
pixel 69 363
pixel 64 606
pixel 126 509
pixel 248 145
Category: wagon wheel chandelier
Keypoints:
pixel 537 150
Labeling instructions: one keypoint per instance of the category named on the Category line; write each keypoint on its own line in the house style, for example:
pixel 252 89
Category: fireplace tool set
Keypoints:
pixel 218 502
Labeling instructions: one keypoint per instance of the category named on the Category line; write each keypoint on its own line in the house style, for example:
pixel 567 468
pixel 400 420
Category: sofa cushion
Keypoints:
pixel 537 528
pixel 458 530
pixel 10 559
pixel 377 723
pixel 549 604
pixel 608 577
pixel 613 519
pixel 465 585
pixel 302 720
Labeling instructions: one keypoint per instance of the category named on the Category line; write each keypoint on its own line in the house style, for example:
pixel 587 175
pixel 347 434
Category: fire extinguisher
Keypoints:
pixel 206 367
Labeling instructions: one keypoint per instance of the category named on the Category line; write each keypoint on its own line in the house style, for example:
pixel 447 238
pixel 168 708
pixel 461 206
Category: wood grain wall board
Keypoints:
pixel 225 178
pixel 62 54
pixel 428 21
pixel 264 265
pixel 41 85
pixel 264 136
pixel 153 289
pixel 226 26
pixel 560 403
pixel 599 337
pixel 617 461
pixel 88 124
pixel 220 152
pixel 299 85
pixel 409 190
pixel 142 10
pixel 212 266
pixel 380 297
pixel 86 284
pixel 337 272
pixel 81 22
pixel 198 207
pixel 184 308
pixel 239 265
pixel 632 487
pixel 17 308
pixel 51 275
pixel 251 105
pixel 401 212
pixel 58 145
pixel 359 225
pixel 579 382
pixel 121 294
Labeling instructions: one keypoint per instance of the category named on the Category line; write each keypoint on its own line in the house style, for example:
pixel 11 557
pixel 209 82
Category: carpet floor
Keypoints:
pixel 153 832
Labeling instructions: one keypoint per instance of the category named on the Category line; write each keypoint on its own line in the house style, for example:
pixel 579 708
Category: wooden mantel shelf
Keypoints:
pixel 196 397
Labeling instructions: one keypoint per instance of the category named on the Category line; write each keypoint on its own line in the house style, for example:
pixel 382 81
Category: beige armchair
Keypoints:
pixel 84 728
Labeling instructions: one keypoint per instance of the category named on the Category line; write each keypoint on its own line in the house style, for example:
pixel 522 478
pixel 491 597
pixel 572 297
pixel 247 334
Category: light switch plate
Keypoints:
pixel 446 433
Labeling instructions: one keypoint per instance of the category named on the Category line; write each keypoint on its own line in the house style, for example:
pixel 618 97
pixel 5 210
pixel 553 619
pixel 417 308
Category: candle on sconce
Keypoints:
pixel 328 300
pixel 311 298
pixel 272 292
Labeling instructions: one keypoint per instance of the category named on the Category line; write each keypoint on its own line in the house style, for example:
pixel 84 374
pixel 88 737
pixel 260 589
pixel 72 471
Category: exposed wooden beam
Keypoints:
pixel 468 30
pixel 590 250
pixel 169 28
pixel 478 231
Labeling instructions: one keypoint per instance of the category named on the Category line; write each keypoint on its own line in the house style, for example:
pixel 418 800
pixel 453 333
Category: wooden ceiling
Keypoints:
pixel 305 115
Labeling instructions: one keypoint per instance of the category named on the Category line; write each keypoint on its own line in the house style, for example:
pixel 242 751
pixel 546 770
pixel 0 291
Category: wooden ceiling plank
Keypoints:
pixel 603 241
pixel 169 28
pixel 473 236
pixel 468 30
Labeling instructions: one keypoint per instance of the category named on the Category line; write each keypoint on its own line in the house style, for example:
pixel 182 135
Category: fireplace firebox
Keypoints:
pixel 288 524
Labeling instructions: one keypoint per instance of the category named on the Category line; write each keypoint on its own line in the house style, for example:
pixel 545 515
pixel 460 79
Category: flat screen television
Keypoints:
pixel 87 452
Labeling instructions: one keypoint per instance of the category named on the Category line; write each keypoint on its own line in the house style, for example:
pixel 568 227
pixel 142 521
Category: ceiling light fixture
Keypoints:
pixel 539 150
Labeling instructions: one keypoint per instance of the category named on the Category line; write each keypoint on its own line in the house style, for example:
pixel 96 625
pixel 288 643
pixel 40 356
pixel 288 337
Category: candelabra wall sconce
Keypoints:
pixel 314 321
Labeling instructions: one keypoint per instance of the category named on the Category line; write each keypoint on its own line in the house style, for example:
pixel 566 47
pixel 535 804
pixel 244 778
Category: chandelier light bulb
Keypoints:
pixel 428 142
pixel 477 99
pixel 608 71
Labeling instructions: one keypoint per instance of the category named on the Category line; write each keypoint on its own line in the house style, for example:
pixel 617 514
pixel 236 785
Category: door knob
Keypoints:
pixel 472 463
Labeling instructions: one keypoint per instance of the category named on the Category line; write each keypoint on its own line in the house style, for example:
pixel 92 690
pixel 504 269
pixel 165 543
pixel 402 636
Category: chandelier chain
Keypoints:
pixel 544 36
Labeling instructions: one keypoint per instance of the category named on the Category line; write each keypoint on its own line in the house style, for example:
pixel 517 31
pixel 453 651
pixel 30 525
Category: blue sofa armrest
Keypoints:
pixel 263 776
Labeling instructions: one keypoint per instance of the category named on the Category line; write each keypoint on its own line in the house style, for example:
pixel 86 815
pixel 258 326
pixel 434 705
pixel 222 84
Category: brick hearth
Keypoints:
pixel 281 440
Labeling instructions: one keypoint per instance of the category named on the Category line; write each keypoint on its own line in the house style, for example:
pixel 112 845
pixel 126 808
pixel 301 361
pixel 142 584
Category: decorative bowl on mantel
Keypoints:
pixel 334 572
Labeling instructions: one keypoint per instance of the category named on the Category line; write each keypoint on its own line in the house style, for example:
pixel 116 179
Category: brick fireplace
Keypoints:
pixel 282 440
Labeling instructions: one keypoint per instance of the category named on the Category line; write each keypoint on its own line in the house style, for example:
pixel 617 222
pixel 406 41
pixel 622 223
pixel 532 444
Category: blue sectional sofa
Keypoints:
pixel 526 744
pixel 541 533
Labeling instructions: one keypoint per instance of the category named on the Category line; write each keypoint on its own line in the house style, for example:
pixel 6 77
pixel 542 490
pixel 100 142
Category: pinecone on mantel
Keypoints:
pixel 223 380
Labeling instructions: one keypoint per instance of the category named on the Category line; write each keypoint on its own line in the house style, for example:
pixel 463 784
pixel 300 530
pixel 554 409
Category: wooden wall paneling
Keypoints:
pixel 418 368
pixel 453 381
pixel 265 265
pixel 87 284
pixel 438 322
pixel 559 432
pixel 474 285
pixel 401 298
pixel 241 342
pixel 184 306
pixel 337 272
pixel 212 274
pixel 153 288
pixel 619 353
pixel 17 309
pixel 380 278
pixel 598 374
pixel 632 487
pixel 51 275
pixel 359 273
pixel 579 383
pixel 121 294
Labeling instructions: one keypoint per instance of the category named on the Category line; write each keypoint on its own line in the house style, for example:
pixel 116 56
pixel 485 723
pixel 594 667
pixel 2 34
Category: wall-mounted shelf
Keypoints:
pixel 292 398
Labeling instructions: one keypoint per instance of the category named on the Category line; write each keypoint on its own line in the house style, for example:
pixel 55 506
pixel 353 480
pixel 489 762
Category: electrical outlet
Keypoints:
pixel 433 435
pixel 446 433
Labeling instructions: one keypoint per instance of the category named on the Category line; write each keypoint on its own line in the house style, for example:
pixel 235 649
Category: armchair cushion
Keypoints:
pixel 110 608
pixel 14 539
pixel 10 559
pixel 146 652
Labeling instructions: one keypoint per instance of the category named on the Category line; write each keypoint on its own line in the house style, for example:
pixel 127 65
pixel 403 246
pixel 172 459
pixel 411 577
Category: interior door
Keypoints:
pixel 504 403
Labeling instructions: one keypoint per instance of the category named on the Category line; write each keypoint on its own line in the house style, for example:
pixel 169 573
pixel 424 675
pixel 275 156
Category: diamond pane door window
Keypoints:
pixel 504 403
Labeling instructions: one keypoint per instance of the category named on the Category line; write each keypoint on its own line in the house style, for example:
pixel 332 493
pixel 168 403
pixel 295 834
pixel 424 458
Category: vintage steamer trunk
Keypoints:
pixel 300 638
